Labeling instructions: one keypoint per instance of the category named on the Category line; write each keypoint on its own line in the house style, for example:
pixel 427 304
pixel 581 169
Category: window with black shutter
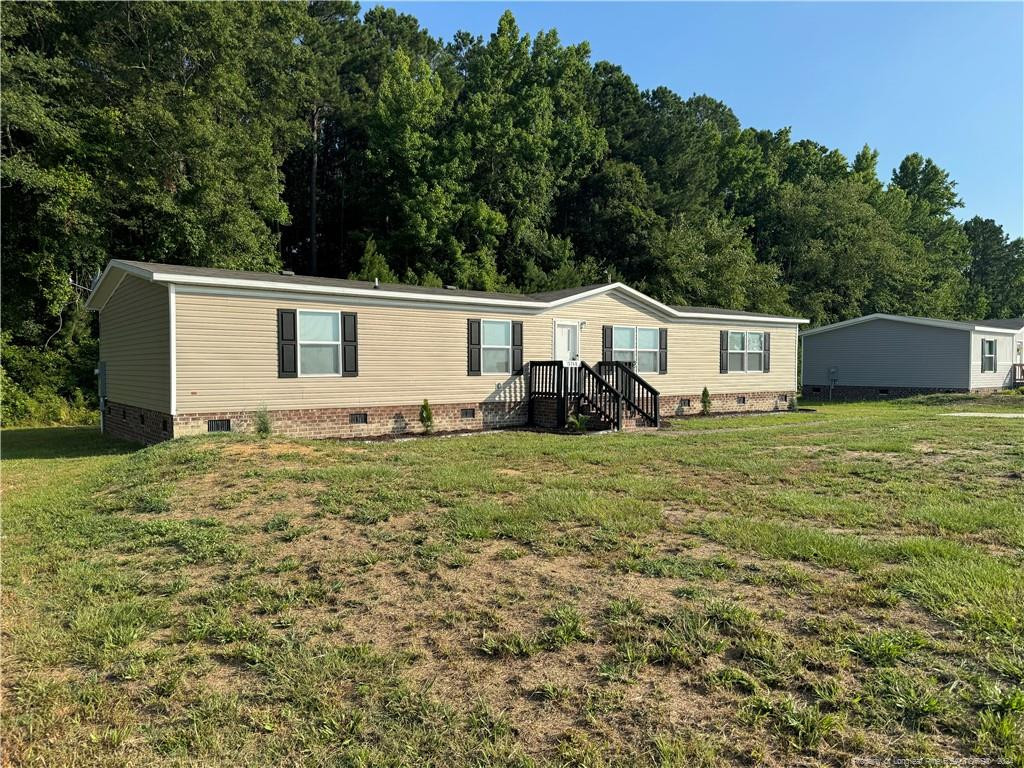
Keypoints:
pixel 663 350
pixel 473 347
pixel 494 347
pixel 349 345
pixel 743 352
pixel 287 345
pixel 517 347
pixel 607 343
pixel 317 342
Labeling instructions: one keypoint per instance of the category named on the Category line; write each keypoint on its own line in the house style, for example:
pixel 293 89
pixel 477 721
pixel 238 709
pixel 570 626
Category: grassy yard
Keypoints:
pixel 785 590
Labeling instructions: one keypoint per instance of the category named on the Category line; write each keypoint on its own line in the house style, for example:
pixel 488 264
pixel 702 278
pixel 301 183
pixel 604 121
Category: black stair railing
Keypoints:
pixel 611 392
pixel 601 396
pixel 639 397
pixel 546 377
pixel 547 380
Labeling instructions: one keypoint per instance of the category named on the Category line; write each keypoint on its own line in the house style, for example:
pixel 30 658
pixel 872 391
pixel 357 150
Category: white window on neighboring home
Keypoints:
pixel 746 351
pixel 496 346
pixel 988 355
pixel 633 344
pixel 319 343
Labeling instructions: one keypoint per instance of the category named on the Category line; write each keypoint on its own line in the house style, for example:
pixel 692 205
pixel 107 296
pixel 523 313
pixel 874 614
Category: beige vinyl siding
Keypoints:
pixel 1004 356
pixel 135 344
pixel 693 347
pixel 227 353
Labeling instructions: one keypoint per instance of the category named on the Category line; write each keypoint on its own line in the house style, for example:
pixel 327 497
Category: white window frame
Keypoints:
pixel 483 347
pixel 299 343
pixel 745 351
pixel 636 347
pixel 993 356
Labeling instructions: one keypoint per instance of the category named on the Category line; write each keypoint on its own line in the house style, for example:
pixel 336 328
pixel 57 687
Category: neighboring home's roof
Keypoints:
pixel 107 283
pixel 985 326
pixel 1013 323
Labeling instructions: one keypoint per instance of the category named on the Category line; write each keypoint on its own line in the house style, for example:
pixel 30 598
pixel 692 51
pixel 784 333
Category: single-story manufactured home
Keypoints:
pixel 893 356
pixel 186 350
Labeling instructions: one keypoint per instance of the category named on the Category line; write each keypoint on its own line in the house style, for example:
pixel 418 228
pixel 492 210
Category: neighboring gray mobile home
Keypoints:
pixel 892 355
pixel 185 350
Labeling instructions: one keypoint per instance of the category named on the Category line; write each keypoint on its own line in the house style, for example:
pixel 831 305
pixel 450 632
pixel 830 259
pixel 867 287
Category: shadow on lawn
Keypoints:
pixel 59 443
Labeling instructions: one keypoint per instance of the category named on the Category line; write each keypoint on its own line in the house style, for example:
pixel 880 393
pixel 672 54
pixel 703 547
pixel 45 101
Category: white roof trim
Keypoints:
pixel 126 269
pixel 952 324
pixel 381 293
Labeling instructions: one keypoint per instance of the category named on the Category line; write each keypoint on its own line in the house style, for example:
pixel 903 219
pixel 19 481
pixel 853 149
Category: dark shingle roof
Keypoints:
pixel 564 293
pixel 299 281
pixel 720 311
pixel 274 277
pixel 1015 323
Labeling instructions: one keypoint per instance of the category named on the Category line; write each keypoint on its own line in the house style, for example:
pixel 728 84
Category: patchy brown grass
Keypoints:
pixel 799 595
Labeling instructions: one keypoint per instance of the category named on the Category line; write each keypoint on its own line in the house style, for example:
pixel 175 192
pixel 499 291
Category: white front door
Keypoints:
pixel 567 342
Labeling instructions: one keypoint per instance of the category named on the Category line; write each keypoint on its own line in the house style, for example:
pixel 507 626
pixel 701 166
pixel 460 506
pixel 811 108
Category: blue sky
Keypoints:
pixel 942 79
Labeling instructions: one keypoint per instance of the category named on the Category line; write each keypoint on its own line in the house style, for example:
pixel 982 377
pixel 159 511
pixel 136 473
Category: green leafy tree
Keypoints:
pixel 996 272
pixel 374 266
pixel 153 131
pixel 255 135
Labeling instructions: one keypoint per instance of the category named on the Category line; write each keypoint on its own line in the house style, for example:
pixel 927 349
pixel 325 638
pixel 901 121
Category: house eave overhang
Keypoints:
pixel 100 295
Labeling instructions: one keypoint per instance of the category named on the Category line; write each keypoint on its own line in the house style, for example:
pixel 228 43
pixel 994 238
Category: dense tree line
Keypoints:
pixel 340 143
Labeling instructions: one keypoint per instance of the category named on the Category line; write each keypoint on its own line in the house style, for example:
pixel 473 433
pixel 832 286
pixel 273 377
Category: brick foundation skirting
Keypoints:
pixel 821 392
pixel 147 426
pixel 675 406
pixel 380 420
pixel 545 412
pixel 140 425
pixel 725 402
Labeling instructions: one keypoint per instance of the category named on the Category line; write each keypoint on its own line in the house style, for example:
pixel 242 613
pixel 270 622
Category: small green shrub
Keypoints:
pixel 426 416
pixel 705 402
pixel 261 422
pixel 578 422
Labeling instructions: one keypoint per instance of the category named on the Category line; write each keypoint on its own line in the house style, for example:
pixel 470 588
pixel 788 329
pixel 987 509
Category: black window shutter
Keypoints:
pixel 663 350
pixel 287 349
pixel 473 348
pixel 606 342
pixel 517 347
pixel 349 344
pixel 767 352
pixel 723 346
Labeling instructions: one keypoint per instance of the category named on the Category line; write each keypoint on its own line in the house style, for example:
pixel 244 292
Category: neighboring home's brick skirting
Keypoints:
pixel 381 420
pixel 821 392
pixel 140 425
